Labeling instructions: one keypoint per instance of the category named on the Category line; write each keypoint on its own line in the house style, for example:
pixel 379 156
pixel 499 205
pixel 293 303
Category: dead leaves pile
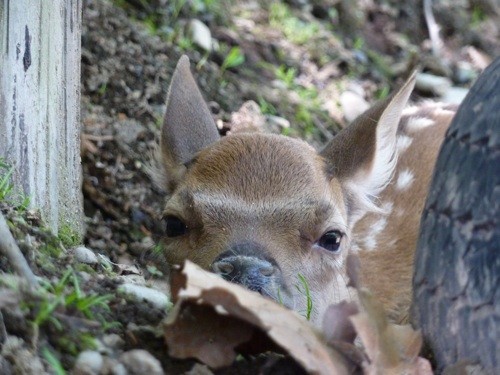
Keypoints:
pixel 214 321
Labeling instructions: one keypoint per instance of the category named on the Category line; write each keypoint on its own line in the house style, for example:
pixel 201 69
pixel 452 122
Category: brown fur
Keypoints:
pixel 278 195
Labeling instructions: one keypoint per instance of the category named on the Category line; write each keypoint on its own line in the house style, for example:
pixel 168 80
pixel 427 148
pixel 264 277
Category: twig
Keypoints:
pixel 433 28
pixel 9 248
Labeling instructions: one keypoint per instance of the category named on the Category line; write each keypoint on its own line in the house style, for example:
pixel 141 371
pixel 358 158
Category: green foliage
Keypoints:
pixel 382 92
pixel 294 29
pixel 7 191
pixel 265 107
pixel 68 236
pixel 286 75
pixel 477 16
pixel 303 288
pixel 233 59
pixel 67 294
pixel 53 361
pixel 185 43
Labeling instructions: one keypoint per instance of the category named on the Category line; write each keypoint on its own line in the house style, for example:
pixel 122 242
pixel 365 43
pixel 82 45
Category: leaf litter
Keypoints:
pixel 214 321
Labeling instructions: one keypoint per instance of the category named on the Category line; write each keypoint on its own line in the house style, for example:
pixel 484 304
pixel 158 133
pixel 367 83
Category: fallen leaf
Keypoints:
pixel 252 323
pixel 390 348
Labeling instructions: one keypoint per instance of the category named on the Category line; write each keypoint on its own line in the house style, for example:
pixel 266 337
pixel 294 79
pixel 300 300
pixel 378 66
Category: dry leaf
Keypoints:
pixel 237 318
pixel 248 118
pixel 391 348
pixel 336 324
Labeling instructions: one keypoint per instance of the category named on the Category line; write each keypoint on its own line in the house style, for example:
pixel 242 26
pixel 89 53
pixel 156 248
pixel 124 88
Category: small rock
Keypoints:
pixel 432 84
pixel 199 369
pixel 113 341
pixel 113 367
pixel 464 73
pixel 89 362
pixel 277 121
pixel 454 95
pixel 143 293
pixel 84 255
pixel 200 34
pixel 141 362
pixel 352 105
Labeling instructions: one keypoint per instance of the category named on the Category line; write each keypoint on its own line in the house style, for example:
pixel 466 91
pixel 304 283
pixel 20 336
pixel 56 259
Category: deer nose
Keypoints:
pixel 252 272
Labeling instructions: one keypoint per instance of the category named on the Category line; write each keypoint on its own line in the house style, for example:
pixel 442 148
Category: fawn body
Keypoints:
pixel 262 209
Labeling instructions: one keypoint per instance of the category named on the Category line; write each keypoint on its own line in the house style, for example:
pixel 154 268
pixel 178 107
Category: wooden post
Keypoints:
pixel 40 104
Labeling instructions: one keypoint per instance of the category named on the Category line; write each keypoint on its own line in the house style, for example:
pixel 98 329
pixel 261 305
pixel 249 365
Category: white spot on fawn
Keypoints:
pixel 387 207
pixel 405 178
pixel 444 112
pixel 410 110
pixel 418 123
pixel 403 143
pixel 370 243
pixel 370 240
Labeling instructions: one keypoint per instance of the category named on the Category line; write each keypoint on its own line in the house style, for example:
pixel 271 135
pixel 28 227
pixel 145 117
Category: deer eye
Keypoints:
pixel 174 226
pixel 331 241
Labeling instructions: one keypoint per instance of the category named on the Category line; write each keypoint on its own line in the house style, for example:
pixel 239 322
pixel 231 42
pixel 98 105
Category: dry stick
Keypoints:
pixel 9 248
pixel 433 28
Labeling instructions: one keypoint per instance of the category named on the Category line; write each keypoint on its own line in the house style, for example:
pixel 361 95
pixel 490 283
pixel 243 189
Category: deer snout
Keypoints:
pixel 251 270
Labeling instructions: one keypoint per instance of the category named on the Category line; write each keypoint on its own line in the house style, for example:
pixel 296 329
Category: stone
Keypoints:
pixel 85 255
pixel 140 293
pixel 431 84
pixel 454 95
pixel 352 105
pixel 141 362
pixel 88 362
pixel 200 34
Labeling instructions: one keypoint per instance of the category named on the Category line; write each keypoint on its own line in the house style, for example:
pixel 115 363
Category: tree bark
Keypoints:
pixel 457 263
pixel 40 104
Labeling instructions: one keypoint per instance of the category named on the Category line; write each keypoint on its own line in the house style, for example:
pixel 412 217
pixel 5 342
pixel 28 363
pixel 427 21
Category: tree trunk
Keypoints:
pixel 457 264
pixel 40 104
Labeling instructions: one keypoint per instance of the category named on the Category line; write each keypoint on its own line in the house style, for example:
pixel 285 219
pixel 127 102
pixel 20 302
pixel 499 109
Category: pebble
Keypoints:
pixel 113 341
pixel 352 105
pixel 85 255
pixel 432 84
pixel 200 34
pixel 454 95
pixel 142 293
pixel 281 122
pixel 141 362
pixel 113 367
pixel 89 362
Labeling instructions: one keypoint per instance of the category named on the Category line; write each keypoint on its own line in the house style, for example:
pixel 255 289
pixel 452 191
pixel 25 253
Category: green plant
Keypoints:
pixel 68 236
pixel 53 361
pixel 66 293
pixel 5 185
pixel 185 43
pixel 233 59
pixel 303 288
pixel 102 89
pixel 7 192
pixel 477 16
pixel 382 92
pixel 265 107
pixel 286 75
pixel 294 29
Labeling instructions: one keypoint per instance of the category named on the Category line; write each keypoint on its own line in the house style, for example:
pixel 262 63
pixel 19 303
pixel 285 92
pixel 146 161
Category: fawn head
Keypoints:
pixel 263 210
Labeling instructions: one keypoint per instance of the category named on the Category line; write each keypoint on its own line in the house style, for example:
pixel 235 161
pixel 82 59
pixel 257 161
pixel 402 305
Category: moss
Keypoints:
pixel 82 267
pixel 68 236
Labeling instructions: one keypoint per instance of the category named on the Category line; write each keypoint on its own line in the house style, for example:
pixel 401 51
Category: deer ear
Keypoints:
pixel 364 154
pixel 188 126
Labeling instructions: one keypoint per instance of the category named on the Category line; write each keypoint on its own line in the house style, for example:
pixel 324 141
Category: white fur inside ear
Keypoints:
pixel 367 184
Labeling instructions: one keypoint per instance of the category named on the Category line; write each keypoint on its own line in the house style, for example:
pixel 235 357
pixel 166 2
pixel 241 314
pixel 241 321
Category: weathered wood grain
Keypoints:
pixel 40 104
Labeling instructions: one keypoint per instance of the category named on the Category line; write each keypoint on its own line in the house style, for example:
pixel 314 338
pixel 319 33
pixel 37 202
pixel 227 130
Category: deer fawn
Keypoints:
pixel 261 209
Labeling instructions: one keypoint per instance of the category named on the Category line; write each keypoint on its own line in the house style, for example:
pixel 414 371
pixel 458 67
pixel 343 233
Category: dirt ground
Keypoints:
pixel 300 57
